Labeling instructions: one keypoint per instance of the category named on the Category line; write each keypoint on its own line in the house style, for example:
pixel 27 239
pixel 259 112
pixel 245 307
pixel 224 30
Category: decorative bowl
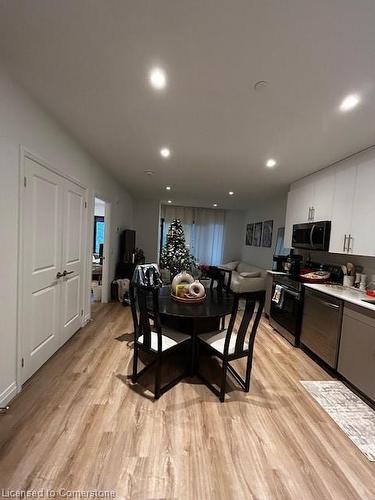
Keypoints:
pixel 185 300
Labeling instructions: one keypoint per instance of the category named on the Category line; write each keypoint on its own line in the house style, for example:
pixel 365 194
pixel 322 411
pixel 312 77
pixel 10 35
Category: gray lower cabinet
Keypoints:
pixel 357 349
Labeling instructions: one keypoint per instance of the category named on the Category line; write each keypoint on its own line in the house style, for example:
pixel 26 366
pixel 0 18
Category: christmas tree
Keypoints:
pixel 175 256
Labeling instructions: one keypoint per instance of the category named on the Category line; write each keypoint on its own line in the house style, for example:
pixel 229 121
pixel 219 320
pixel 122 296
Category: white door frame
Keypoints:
pixel 106 248
pixel 26 153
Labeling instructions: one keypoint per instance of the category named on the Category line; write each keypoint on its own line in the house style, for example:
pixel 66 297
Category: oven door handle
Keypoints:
pixel 290 292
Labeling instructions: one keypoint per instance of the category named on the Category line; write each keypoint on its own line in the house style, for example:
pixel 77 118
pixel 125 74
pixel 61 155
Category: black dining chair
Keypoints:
pixel 230 343
pixel 151 337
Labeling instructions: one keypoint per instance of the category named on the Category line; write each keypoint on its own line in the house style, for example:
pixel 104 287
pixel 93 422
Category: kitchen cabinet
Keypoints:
pixel 298 208
pixel 362 233
pixel 353 208
pixel 309 200
pixel 323 183
pixel 343 194
pixel 357 349
pixel 344 187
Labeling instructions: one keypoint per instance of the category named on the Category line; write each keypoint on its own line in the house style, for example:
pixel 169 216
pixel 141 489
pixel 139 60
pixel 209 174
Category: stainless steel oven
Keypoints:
pixel 286 312
pixel 312 236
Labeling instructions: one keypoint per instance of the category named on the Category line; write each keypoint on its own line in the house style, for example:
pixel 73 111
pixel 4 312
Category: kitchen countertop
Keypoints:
pixel 344 293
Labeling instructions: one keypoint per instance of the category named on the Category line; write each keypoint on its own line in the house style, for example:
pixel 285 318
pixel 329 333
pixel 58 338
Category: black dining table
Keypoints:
pixel 194 318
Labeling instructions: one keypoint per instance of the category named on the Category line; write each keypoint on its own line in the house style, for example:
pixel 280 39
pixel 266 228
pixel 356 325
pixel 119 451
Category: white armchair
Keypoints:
pixel 240 277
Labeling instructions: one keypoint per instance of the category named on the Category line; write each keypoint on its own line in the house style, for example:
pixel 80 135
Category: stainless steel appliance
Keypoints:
pixel 312 236
pixel 321 325
pixel 286 314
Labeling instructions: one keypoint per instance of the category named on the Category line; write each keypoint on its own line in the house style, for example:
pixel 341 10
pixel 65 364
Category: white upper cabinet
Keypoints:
pixel 322 205
pixel 343 194
pixel 299 209
pixel 362 233
pixel 309 200
pixel 344 186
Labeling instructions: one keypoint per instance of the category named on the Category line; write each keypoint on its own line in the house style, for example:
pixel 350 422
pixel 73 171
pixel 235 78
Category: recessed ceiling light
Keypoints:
pixel 168 188
pixel 169 201
pixel 350 102
pixel 158 78
pixel 231 193
pixel 261 85
pixel 271 163
pixel 165 152
pixel 214 205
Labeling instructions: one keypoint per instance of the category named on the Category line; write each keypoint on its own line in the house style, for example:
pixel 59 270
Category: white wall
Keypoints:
pixel 233 235
pixel 99 209
pixel 147 226
pixel 23 122
pixel 271 209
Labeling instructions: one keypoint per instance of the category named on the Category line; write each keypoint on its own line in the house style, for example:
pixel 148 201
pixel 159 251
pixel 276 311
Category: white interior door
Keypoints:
pixel 42 246
pixel 72 259
pixel 52 263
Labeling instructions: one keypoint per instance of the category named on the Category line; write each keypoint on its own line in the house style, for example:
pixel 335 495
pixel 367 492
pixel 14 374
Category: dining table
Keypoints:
pixel 195 318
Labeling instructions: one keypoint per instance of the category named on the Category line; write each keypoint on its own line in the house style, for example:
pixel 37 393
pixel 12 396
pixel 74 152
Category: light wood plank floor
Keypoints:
pixel 79 424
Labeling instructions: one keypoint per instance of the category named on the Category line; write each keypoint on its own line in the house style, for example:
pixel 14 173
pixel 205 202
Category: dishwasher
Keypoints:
pixel 321 325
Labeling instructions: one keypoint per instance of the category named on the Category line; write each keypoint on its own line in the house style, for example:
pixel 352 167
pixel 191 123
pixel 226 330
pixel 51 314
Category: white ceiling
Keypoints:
pixel 87 62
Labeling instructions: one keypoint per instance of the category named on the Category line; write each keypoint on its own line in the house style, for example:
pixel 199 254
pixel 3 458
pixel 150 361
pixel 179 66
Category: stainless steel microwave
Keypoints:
pixel 312 235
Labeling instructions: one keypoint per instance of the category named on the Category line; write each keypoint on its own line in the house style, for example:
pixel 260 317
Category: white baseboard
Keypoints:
pixel 8 394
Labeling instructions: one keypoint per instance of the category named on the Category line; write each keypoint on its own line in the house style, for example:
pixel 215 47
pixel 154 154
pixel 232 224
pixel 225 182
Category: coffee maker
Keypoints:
pixel 292 265
pixel 278 263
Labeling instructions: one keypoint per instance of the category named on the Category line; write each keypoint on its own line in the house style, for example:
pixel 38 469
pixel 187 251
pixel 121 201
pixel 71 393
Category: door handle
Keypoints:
pixel 65 273
pixel 59 275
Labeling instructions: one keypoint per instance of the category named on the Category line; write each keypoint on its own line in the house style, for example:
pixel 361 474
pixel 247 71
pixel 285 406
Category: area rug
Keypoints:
pixel 350 413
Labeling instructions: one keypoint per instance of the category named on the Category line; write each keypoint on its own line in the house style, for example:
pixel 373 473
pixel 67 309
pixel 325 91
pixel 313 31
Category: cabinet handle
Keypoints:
pixel 344 247
pixel 309 217
pixel 350 238
pixel 312 213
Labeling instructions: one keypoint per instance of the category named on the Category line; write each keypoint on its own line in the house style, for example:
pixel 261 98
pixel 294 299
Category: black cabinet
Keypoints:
pixel 127 246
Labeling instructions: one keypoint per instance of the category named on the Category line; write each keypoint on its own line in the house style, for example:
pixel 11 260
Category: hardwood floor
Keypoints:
pixel 79 424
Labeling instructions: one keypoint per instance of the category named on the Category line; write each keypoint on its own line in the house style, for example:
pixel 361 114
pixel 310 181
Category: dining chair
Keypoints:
pixel 230 343
pixel 151 337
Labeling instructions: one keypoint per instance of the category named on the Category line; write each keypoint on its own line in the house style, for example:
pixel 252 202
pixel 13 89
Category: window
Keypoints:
pixel 98 233
pixel 204 231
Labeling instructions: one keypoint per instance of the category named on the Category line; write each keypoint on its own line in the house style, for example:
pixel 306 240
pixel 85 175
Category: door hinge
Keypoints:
pixel 22 362
pixel 85 204
pixel 25 181
pixel 81 312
